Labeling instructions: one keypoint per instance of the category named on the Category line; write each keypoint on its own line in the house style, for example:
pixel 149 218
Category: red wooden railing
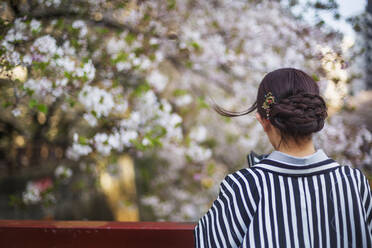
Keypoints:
pixel 92 234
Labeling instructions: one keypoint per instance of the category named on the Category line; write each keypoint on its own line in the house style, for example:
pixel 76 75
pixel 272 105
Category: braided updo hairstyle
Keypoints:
pixel 298 109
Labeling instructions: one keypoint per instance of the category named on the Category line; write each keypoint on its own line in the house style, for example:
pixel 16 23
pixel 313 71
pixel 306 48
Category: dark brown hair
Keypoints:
pixel 298 110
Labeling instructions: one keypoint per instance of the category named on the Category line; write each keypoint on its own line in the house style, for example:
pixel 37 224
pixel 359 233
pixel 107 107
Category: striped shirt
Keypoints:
pixel 286 201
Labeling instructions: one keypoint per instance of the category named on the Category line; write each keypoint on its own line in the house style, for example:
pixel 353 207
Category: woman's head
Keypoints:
pixel 290 100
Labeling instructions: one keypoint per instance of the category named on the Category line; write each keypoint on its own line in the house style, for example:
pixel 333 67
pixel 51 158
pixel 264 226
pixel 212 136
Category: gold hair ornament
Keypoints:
pixel 269 101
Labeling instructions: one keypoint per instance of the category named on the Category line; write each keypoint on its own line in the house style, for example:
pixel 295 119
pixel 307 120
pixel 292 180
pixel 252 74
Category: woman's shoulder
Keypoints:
pixel 357 173
pixel 350 170
pixel 243 178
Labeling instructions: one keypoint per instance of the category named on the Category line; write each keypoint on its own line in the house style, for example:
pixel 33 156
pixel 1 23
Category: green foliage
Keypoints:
pixel 16 201
pixel 210 143
pixel 6 104
pixel 32 103
pixel 140 89
pixel 60 24
pixel 42 66
pixel 42 108
pixel 179 92
pixel 189 64
pixel 102 30
pixel 196 46
pixel 315 77
pixel 121 57
pixel 171 4
pixel 202 103
pixel 71 102
pixel 211 168
pixel 130 38
pixel 79 185
pixel 83 140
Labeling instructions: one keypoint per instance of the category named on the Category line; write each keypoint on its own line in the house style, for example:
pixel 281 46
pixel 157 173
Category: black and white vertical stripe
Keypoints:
pixel 274 204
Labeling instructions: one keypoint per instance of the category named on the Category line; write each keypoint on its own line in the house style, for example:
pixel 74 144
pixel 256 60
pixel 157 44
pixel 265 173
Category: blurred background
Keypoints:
pixel 104 105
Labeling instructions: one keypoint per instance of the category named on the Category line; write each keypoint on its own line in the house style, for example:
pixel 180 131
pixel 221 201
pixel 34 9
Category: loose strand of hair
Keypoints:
pixel 229 113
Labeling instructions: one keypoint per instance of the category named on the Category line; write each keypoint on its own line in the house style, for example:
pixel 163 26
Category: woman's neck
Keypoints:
pixel 293 149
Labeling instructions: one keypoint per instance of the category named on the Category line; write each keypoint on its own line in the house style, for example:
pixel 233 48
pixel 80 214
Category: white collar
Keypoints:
pixel 278 156
pixel 285 164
